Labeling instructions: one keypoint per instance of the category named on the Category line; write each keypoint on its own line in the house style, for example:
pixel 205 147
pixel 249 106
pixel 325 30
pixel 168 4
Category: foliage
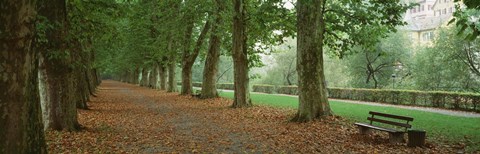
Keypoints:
pixel 450 100
pixel 350 23
pixel 467 17
pixel 443 66
pixel 374 67
pixel 263 88
pixel 228 86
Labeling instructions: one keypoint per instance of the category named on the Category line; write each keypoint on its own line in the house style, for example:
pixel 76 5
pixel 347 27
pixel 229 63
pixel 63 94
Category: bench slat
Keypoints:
pixel 391 116
pixel 390 122
pixel 379 128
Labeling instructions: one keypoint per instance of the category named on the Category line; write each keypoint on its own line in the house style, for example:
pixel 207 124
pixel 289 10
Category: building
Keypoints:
pixel 425 18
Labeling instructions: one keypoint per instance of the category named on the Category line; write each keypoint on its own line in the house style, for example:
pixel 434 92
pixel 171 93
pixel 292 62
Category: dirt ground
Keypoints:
pixel 126 118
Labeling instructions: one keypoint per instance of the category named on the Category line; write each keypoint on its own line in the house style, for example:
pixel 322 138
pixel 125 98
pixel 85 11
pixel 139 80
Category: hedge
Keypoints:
pixel 197 84
pixel 264 88
pixel 437 99
pixel 289 90
pixel 228 86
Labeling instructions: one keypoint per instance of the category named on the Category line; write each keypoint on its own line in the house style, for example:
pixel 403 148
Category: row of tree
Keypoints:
pixel 159 35
pixel 47 69
pixel 55 47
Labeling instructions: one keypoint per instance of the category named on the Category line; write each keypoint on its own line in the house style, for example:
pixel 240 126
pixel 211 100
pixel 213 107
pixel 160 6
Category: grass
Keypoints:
pixel 438 126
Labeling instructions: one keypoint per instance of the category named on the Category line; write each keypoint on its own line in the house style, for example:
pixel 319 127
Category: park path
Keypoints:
pixel 126 118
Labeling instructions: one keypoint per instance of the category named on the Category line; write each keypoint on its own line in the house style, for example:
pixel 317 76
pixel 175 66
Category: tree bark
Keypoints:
pixel 136 76
pixel 189 57
pixel 57 77
pixel 152 81
pixel 21 128
pixel 313 101
pixel 172 84
pixel 209 89
pixel 240 59
pixel 163 76
pixel 144 79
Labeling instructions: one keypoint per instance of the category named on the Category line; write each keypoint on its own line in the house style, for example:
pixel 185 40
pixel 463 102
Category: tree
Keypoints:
pixel 283 71
pixel 21 128
pixel 265 24
pixel 311 81
pixel 467 18
pixel 444 66
pixel 376 64
pixel 338 25
pixel 209 89
pixel 239 55
pixel 56 76
pixel 189 57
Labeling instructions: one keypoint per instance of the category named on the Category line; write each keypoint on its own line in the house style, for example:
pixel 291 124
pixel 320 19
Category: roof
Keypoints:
pixel 427 23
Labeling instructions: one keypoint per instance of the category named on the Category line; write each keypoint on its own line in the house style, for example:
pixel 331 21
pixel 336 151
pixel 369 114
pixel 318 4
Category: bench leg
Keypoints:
pixel 397 137
pixel 364 130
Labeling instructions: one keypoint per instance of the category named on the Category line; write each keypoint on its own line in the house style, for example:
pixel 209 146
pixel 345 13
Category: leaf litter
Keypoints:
pixel 127 118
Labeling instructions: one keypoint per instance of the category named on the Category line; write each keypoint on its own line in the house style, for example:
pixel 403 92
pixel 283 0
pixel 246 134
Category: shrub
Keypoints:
pixel 197 84
pixel 228 86
pixel 264 88
pixel 289 90
pixel 438 99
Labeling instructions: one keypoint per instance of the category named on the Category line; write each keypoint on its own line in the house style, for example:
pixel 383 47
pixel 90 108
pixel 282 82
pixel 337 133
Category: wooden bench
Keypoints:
pixel 395 135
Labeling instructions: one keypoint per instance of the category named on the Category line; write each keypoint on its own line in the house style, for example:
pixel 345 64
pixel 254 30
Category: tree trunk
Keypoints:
pixel 163 77
pixel 189 57
pixel 57 77
pixel 152 81
pixel 240 60
pixel 136 76
pixel 21 128
pixel 209 89
pixel 172 84
pixel 82 92
pixel 144 78
pixel 313 101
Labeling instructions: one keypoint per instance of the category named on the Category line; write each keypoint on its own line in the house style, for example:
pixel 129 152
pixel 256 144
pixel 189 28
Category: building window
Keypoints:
pixel 429 7
pixel 427 36
pixel 445 11
pixel 423 7
pixel 450 10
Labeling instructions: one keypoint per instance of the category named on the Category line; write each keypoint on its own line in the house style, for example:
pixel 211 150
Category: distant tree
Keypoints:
pixel 376 64
pixel 444 65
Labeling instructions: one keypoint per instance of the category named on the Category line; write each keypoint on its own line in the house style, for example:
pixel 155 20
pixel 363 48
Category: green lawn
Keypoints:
pixel 440 126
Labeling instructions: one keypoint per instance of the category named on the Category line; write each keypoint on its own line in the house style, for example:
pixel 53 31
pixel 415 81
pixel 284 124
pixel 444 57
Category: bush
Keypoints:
pixel 228 86
pixel 289 90
pixel 438 99
pixel 197 84
pixel 263 88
